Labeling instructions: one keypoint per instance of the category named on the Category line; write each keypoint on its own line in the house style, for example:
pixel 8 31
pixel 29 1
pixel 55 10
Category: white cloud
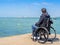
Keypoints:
pixel 36 3
pixel 45 3
pixel 42 3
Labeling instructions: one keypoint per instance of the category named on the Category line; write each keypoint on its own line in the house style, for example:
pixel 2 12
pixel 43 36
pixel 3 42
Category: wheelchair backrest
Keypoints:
pixel 46 22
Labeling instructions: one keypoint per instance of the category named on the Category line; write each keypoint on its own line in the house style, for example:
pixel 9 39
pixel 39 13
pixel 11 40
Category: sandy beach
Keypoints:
pixel 25 40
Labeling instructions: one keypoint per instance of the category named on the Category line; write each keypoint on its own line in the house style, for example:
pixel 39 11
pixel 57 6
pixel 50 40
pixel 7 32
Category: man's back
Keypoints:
pixel 43 20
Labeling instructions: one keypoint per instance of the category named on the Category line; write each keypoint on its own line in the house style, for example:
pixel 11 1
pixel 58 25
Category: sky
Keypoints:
pixel 28 8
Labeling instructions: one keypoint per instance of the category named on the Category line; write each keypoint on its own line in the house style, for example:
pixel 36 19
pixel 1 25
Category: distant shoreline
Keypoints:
pixel 26 17
pixel 29 17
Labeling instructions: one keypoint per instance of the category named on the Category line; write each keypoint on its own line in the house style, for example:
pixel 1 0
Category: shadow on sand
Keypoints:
pixel 55 40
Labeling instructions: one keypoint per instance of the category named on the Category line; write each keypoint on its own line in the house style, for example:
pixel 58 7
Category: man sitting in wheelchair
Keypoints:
pixel 44 21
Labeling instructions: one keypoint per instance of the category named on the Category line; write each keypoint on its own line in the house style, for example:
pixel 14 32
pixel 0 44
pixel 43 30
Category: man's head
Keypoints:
pixel 43 10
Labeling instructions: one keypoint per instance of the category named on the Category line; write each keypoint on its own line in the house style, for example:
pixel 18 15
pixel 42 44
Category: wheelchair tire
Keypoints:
pixel 43 34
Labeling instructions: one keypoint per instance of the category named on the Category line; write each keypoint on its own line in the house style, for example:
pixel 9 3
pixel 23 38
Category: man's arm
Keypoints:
pixel 40 20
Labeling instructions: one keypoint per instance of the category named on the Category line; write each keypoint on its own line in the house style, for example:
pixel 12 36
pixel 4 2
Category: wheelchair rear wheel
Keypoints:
pixel 43 34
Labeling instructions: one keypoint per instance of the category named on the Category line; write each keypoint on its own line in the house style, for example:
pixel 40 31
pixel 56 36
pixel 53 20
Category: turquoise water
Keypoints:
pixel 10 26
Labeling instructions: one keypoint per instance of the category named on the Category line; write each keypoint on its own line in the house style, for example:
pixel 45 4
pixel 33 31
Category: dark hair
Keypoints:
pixel 43 10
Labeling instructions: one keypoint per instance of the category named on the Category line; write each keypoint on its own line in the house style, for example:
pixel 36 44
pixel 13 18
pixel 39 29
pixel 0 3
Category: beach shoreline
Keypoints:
pixel 24 39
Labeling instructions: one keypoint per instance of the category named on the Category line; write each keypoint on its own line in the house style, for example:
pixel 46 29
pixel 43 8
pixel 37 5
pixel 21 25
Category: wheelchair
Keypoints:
pixel 44 34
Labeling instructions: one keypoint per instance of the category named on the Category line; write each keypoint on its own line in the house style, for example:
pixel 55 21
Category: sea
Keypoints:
pixel 10 26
